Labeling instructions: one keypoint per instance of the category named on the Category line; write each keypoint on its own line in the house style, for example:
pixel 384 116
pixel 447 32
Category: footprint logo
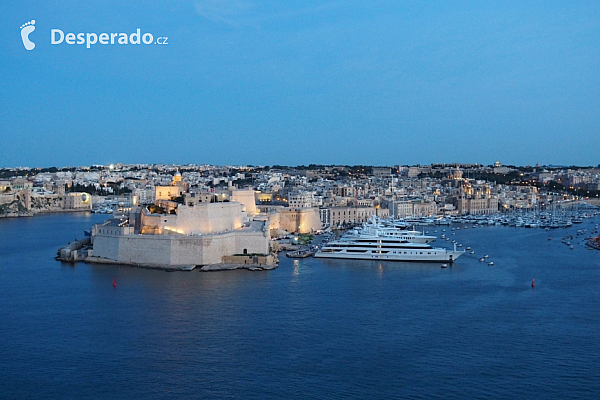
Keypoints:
pixel 26 29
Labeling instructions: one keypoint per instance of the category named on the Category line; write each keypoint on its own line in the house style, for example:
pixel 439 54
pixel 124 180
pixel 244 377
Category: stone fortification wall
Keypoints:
pixel 209 218
pixel 302 220
pixel 274 223
pixel 247 199
pixel 252 242
pixel 198 219
pixel 178 249
pixel 106 247
pixel 24 201
pixel 51 203
pixel 155 223
pixel 8 198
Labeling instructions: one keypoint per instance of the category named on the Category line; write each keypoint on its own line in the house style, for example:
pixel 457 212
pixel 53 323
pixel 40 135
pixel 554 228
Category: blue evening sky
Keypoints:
pixel 298 82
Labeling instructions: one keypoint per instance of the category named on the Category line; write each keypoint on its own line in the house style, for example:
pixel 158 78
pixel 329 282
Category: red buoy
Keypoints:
pixel 533 282
pixel 115 281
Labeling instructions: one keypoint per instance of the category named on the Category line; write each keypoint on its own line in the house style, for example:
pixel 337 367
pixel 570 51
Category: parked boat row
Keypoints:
pixel 531 219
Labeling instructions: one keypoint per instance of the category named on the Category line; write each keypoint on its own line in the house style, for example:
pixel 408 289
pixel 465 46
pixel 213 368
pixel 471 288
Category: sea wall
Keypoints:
pixel 169 250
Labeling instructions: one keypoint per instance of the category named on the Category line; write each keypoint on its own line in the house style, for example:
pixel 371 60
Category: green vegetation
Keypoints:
pixel 98 191
pixel 304 239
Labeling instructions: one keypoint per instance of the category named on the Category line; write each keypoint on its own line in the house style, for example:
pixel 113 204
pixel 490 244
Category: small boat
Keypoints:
pixel 444 265
pixel 593 243
pixel 472 252
pixel 468 248
pixel 486 256
pixel 491 263
pixel 300 254
pixel 481 259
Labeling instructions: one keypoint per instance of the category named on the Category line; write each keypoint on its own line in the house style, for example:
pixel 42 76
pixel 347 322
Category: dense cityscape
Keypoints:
pixel 342 194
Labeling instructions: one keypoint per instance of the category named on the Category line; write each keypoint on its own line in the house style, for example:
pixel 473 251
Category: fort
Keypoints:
pixel 183 230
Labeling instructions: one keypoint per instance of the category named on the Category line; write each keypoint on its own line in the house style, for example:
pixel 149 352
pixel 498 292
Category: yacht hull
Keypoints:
pixel 433 256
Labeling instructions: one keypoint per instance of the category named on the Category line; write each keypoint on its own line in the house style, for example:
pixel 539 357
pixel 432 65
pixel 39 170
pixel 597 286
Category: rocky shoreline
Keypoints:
pixel 203 268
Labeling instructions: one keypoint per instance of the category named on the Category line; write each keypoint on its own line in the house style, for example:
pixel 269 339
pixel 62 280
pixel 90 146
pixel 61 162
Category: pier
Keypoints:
pixel 78 250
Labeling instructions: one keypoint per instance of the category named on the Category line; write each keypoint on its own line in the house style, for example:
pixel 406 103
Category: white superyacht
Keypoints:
pixel 372 242
pixel 380 228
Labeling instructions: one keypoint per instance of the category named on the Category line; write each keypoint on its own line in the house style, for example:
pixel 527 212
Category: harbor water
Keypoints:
pixel 311 328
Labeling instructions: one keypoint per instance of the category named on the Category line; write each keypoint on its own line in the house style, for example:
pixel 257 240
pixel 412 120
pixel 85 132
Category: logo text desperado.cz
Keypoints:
pixel 57 36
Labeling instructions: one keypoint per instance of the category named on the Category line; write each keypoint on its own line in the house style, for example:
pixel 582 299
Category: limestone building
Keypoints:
pixel 78 201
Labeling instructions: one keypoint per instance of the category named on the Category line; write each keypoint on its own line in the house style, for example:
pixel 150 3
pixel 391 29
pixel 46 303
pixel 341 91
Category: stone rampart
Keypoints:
pixel 169 250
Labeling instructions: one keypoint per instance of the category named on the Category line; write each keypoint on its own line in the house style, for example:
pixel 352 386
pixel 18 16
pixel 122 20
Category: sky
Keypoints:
pixel 300 82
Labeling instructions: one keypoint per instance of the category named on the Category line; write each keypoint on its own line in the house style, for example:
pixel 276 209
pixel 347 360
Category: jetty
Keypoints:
pixel 77 250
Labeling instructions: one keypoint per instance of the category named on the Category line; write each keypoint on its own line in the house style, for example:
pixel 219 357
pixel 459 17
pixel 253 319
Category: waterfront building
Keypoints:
pixel 414 208
pixel 77 202
pixel 354 215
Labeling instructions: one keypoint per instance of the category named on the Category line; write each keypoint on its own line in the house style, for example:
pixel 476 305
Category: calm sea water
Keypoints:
pixel 309 329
